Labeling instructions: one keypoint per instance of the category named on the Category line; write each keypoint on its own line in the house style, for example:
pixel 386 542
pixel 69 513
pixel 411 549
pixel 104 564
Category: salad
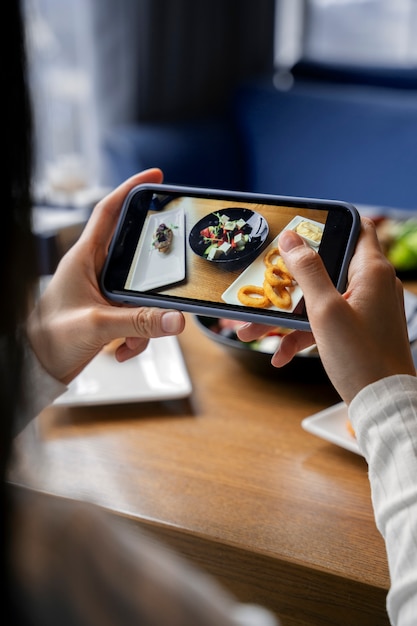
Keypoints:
pixel 268 342
pixel 226 236
pixel 399 242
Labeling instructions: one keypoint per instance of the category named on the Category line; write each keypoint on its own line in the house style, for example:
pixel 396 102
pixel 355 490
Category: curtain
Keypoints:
pixel 192 53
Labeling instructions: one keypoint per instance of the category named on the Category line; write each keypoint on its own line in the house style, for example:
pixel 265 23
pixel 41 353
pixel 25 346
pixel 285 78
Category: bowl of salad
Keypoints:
pixel 230 237
pixel 256 355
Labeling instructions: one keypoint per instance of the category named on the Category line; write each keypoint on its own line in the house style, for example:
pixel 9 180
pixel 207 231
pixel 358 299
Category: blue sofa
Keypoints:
pixel 330 135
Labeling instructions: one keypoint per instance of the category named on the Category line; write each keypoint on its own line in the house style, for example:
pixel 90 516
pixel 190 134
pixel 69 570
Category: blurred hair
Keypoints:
pixel 17 250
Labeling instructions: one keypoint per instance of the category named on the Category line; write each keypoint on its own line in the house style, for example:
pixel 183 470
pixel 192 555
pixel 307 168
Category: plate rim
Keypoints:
pixel 70 398
pixel 313 424
pixel 175 276
pixel 229 260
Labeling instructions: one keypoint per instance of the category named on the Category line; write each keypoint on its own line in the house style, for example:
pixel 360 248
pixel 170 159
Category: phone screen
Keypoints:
pixel 219 251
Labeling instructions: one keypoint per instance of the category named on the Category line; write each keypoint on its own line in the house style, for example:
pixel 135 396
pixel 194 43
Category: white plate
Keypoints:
pixel 152 269
pixel 254 274
pixel 331 425
pixel 159 373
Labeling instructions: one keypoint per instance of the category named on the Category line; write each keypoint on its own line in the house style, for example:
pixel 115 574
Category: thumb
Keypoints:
pixel 141 322
pixel 306 265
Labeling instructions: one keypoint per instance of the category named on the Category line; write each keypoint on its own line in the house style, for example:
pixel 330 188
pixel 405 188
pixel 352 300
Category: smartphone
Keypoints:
pixel 215 253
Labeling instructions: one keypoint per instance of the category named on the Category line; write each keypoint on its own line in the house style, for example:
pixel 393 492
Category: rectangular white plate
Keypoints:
pixel 331 425
pixel 254 274
pixel 154 269
pixel 158 373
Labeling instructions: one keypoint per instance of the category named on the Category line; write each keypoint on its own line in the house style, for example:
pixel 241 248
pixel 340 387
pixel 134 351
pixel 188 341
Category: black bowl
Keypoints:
pixel 307 364
pixel 255 228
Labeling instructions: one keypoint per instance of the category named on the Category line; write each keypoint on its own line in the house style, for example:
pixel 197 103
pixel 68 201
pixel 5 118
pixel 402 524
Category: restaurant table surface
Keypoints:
pixel 230 479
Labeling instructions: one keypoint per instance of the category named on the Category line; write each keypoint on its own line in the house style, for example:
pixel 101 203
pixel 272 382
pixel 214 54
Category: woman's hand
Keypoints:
pixel 72 321
pixel 361 335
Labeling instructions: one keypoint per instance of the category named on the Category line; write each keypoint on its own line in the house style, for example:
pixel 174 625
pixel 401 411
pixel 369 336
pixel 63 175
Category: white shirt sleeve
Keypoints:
pixel 384 417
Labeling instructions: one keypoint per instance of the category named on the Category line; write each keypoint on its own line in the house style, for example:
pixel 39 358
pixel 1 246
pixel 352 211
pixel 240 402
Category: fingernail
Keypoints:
pixel 171 322
pixel 289 240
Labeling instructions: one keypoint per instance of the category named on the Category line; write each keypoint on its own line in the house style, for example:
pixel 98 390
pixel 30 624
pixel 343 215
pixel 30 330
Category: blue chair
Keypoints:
pixel 338 133
pixel 332 139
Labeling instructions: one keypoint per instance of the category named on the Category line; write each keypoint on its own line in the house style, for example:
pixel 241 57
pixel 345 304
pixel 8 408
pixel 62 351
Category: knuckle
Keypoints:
pixel 145 322
pixel 94 318
pixel 383 270
pixel 367 223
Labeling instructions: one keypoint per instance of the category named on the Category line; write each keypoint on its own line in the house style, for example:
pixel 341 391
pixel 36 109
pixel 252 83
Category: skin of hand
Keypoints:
pixel 72 321
pixel 361 335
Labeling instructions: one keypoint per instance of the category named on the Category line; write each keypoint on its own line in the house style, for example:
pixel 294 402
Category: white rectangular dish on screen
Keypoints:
pixel 158 373
pixel 255 273
pixel 151 268
pixel 331 425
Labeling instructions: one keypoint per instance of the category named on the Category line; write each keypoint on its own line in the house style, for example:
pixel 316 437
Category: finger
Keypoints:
pixel 141 323
pixel 367 248
pixel 305 265
pixel 131 348
pixel 101 225
pixel 290 345
pixel 252 331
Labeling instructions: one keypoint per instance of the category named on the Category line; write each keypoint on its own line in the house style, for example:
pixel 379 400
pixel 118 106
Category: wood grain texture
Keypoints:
pixel 229 478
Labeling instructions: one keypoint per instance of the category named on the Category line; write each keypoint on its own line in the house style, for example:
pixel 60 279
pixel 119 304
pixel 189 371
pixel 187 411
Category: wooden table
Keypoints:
pixel 230 479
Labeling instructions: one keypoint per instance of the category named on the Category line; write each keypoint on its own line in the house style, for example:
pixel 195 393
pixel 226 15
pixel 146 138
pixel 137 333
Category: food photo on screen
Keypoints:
pixel 222 251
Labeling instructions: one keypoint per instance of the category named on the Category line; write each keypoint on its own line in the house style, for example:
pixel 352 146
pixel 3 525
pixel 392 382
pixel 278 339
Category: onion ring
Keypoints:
pixel 270 256
pixel 251 295
pixel 277 281
pixel 277 278
pixel 280 265
pixel 280 297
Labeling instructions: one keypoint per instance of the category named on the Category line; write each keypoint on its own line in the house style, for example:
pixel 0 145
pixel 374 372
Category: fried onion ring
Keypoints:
pixel 280 265
pixel 279 296
pixel 270 256
pixel 275 290
pixel 277 278
pixel 251 295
